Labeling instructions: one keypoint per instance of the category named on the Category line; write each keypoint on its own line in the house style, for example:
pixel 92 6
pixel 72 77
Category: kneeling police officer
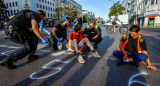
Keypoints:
pixel 22 28
pixel 93 33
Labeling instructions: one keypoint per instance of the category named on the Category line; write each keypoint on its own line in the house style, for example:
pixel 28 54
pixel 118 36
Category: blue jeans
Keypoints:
pixel 44 29
pixel 136 57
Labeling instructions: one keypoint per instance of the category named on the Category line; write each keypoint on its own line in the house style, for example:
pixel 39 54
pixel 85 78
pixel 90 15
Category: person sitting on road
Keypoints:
pixel 132 48
pixel 76 40
pixel 114 21
pixel 43 27
pixel 58 32
pixel 93 33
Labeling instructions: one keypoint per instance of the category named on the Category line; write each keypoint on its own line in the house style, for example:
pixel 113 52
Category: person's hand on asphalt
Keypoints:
pixel 58 40
pixel 152 68
pixel 44 41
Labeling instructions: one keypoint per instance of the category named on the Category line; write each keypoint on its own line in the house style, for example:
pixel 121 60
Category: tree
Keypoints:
pixel 113 9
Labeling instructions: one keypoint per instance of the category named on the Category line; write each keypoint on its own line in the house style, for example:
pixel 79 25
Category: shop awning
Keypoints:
pixel 151 14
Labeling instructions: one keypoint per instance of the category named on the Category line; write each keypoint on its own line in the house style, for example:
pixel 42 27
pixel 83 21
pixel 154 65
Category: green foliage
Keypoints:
pixel 61 12
pixel 113 9
pixel 85 18
pixel 3 11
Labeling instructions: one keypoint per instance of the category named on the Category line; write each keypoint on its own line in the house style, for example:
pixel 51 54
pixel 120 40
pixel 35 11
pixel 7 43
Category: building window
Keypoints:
pixel 43 7
pixel 51 9
pixel 13 4
pixel 16 4
pixel 17 11
pixel 51 15
pixel 11 12
pixel 14 11
pixel 10 5
pixel 152 2
pixel 39 0
pixel 46 7
pixel 7 5
pixel 53 4
pixel 45 1
pixel 48 2
pixel 40 6
pixel 26 3
pixel 48 15
pixel 37 6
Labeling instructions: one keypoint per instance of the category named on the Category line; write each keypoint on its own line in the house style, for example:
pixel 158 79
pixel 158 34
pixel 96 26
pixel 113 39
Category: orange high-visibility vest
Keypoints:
pixel 138 43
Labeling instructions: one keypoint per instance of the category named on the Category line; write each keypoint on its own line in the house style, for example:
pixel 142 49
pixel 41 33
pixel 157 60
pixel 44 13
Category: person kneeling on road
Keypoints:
pixel 23 28
pixel 132 48
pixel 58 32
pixel 93 33
pixel 76 40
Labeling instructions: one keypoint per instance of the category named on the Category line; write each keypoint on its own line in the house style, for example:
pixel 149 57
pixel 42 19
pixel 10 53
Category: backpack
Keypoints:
pixel 15 27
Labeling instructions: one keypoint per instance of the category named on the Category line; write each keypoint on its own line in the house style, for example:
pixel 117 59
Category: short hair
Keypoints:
pixel 116 14
pixel 134 28
pixel 92 22
pixel 77 27
pixel 43 13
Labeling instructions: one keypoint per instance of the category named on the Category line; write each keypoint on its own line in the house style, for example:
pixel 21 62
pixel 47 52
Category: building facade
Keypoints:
pixel 143 12
pixel 91 15
pixel 70 4
pixel 14 6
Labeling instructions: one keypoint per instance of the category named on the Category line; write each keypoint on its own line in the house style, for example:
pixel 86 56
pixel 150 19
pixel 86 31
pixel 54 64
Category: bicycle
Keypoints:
pixel 123 29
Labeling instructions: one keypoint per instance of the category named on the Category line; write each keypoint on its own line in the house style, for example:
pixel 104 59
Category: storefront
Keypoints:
pixel 150 18
pixel 141 17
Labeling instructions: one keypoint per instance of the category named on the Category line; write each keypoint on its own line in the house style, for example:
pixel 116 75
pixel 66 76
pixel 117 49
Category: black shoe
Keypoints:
pixel 32 57
pixel 136 64
pixel 8 63
pixel 120 62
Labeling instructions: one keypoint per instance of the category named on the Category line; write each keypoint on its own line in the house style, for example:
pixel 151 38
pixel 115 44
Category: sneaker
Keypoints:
pixel 96 55
pixel 70 50
pixel 32 57
pixel 81 60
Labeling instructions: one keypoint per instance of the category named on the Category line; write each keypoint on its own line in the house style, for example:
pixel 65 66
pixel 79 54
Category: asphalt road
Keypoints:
pixel 61 68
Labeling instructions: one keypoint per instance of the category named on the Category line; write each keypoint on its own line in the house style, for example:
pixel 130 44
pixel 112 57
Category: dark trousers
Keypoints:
pixel 97 40
pixel 28 49
pixel 54 41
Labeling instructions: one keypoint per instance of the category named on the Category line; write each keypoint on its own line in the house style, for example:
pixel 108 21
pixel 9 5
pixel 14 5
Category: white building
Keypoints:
pixel 70 4
pixel 91 15
pixel 143 12
pixel 17 5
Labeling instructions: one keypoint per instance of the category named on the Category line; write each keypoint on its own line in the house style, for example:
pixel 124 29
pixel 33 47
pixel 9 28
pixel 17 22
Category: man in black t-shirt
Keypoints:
pixel 132 48
pixel 79 19
pixel 23 29
pixel 58 32
pixel 93 32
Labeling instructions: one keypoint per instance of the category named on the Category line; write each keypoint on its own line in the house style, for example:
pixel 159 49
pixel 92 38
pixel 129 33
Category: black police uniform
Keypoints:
pixel 93 32
pixel 25 36
pixel 61 33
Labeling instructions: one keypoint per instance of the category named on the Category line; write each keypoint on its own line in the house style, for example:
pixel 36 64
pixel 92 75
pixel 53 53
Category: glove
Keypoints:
pixel 39 40
pixel 58 40
pixel 44 41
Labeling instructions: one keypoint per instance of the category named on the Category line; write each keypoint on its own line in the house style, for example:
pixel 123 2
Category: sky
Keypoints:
pixel 99 7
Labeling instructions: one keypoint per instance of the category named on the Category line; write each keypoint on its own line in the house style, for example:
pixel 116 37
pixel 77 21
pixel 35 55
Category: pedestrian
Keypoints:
pixel 43 27
pixel 132 48
pixel 58 32
pixel 93 33
pixel 79 19
pixel 77 42
pixel 98 22
pixel 23 28
pixel 114 21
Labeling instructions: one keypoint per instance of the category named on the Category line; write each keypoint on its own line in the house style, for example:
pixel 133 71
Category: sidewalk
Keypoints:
pixel 158 27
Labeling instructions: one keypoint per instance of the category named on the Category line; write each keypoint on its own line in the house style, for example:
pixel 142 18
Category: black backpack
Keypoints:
pixel 15 27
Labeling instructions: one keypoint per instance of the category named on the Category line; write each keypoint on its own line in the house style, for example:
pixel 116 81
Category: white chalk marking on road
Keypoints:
pixel 40 46
pixel 113 58
pixel 3 45
pixel 45 50
pixel 7 53
pixel 47 67
pixel 156 37
pixel 13 47
pixel 58 53
pixel 131 81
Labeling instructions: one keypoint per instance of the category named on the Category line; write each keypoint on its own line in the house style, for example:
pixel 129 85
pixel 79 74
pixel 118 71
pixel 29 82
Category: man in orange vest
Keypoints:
pixel 132 48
